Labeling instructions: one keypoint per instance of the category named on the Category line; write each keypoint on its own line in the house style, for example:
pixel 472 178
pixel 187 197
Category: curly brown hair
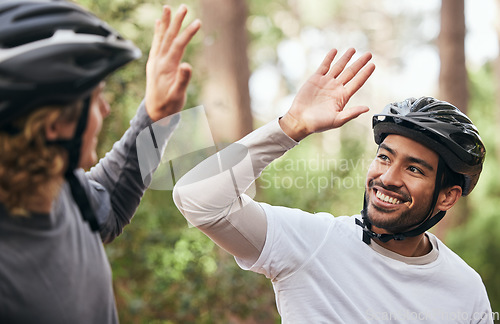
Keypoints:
pixel 31 172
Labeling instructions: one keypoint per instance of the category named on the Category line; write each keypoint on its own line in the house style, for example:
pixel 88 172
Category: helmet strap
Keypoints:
pixel 426 224
pixel 73 147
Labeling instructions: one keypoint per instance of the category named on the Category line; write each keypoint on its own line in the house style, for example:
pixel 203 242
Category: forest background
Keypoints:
pixel 249 60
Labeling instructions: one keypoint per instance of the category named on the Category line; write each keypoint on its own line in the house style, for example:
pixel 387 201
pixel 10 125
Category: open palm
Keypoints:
pixel 167 77
pixel 319 104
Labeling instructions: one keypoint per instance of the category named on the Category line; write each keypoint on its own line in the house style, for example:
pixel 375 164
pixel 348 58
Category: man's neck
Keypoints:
pixel 410 247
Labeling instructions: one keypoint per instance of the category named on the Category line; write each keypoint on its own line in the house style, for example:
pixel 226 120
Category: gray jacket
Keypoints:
pixel 53 268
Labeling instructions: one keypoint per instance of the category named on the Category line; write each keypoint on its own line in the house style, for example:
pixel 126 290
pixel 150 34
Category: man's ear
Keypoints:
pixel 448 197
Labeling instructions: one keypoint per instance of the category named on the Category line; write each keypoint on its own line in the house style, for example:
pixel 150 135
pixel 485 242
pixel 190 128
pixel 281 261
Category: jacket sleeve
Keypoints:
pixel 211 195
pixel 116 181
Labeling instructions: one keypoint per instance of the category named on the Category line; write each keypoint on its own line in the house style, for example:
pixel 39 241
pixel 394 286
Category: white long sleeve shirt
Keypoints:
pixel 321 270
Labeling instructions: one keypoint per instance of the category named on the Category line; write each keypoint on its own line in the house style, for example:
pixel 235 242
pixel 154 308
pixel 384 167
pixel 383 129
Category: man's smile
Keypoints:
pixel 389 200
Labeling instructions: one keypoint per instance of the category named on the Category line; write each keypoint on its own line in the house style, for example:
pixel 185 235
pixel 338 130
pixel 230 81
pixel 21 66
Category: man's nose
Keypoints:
pixel 392 177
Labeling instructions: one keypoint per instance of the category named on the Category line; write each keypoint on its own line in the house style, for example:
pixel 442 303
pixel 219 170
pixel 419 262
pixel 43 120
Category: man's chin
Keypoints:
pixel 386 220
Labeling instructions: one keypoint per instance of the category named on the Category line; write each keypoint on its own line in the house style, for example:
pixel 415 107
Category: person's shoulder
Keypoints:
pixel 342 222
pixel 458 266
pixel 283 211
pixel 347 220
pixel 288 217
pixel 296 217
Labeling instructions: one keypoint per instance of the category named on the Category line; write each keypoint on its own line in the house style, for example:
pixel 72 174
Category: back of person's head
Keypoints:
pixel 443 128
pixel 53 53
pixel 30 170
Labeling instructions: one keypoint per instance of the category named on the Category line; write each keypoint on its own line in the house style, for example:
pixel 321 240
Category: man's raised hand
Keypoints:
pixel 320 103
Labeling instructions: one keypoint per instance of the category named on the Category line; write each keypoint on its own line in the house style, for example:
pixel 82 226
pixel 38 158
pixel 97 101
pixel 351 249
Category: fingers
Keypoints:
pixel 354 76
pixel 177 97
pixel 181 42
pixel 360 79
pixel 349 73
pixel 174 27
pixel 161 26
pixel 183 78
pixel 338 67
pixel 327 62
pixel 338 70
pixel 167 40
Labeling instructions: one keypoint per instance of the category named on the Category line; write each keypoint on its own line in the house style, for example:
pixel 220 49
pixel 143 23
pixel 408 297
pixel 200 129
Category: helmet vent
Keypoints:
pixel 11 43
pixel 89 61
pixel 468 144
pixel 8 8
pixel 100 31
pixel 43 13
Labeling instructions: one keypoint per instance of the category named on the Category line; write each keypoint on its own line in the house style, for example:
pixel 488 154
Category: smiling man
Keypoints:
pixel 379 266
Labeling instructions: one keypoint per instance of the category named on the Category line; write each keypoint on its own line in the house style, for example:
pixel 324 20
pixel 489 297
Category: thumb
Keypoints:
pixel 183 78
pixel 350 114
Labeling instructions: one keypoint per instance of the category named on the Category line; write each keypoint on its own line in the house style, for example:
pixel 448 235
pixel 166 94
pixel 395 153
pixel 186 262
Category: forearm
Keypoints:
pixel 211 198
pixel 119 173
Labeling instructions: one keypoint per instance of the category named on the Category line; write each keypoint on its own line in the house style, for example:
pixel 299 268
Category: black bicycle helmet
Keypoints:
pixel 443 128
pixel 53 52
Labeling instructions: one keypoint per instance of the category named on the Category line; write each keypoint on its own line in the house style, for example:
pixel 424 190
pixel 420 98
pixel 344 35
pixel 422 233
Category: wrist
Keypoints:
pixel 293 128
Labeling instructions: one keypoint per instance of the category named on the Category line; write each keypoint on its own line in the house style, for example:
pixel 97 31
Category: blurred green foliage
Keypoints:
pixel 163 270
pixel 166 272
pixel 476 241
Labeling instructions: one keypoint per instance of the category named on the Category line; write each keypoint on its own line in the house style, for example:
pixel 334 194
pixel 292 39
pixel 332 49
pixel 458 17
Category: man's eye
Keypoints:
pixel 383 157
pixel 414 169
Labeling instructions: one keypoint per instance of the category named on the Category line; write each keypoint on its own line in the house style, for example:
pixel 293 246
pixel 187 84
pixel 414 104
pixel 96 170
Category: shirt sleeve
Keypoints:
pixel 211 195
pixel 483 313
pixel 117 181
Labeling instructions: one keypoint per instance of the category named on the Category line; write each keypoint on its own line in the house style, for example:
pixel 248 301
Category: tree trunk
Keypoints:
pixel 225 93
pixel 453 75
pixel 453 85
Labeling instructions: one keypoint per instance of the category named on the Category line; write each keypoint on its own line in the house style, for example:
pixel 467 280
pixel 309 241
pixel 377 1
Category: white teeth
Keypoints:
pixel 388 199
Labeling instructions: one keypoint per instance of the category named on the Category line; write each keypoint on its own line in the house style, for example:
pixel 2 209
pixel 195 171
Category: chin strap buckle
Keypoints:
pixel 367 233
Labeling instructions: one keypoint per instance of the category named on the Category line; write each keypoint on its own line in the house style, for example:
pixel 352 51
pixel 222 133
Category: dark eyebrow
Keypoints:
pixel 387 148
pixel 409 158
